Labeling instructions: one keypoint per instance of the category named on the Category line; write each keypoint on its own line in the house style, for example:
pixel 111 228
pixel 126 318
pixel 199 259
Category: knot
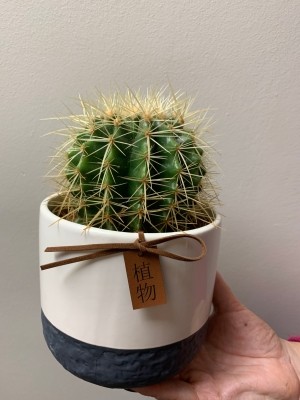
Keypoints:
pixel 140 244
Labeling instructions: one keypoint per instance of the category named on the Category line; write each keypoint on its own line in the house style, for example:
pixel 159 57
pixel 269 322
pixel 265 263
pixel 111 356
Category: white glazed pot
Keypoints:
pixel 88 320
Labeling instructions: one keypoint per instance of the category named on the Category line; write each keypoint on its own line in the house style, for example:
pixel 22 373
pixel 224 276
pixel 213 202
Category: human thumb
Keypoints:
pixel 223 299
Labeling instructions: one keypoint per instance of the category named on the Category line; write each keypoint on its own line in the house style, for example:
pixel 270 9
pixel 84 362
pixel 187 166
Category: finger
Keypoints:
pixel 172 389
pixel 223 299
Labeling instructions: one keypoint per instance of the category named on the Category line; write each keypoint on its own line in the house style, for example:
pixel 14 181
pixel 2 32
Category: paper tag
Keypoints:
pixel 145 279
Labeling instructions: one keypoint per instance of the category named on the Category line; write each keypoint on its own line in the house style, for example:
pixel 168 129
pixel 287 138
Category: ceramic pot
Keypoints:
pixel 88 320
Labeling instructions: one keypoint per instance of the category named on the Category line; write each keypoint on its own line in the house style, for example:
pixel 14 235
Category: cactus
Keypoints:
pixel 134 162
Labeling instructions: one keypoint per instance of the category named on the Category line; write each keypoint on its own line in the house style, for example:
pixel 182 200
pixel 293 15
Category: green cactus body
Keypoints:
pixel 135 167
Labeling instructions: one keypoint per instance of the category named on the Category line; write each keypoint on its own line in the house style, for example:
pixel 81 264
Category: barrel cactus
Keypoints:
pixel 135 162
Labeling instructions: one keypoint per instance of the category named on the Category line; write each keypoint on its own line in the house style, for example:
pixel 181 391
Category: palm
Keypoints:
pixel 241 359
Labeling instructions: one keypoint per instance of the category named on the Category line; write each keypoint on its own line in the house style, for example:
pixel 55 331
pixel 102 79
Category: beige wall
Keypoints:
pixel 239 57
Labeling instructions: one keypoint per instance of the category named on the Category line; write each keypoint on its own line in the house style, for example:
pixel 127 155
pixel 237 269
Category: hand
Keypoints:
pixel 242 358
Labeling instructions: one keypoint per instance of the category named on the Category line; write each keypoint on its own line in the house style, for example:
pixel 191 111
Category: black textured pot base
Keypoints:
pixel 117 368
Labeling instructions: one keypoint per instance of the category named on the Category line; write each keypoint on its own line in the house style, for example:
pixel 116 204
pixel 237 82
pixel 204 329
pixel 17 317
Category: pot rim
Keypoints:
pixel 216 223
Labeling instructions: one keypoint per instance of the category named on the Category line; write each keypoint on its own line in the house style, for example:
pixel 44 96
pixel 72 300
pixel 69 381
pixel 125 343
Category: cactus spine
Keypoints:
pixel 135 163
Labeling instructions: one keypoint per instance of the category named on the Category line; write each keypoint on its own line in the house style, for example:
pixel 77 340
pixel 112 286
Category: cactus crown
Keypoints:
pixel 136 162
